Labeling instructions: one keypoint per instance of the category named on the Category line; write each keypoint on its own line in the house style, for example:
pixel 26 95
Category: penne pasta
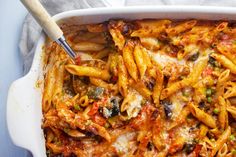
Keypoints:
pixel 223 49
pixel 223 151
pixel 220 27
pixel 223 78
pixel 88 71
pixel 191 79
pixel 139 60
pixel 205 118
pixel 203 131
pixel 181 27
pixel 49 89
pixel 88 46
pixel 122 77
pixel 174 87
pixel 150 28
pixel 101 54
pixel 225 62
pixel 150 43
pixel 129 60
pixel 157 130
pixel 142 89
pixel 148 88
pixel 158 87
pixel 230 90
pixel 103 84
pixel 177 144
pixel 223 116
pixel 59 78
pixel 95 28
pixel 232 111
pixel 116 34
pixel 146 57
pixel 221 140
pixel 83 101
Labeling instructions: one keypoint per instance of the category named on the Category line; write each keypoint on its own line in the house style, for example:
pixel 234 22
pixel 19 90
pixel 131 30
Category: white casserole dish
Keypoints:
pixel 24 115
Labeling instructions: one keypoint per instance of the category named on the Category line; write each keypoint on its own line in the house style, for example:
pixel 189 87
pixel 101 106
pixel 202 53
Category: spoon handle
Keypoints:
pixel 43 18
pixel 48 24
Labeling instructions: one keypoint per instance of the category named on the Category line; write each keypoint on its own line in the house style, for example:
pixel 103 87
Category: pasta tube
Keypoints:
pixel 221 140
pixel 225 62
pixel 139 59
pixel 88 71
pixel 122 77
pixel 223 116
pixel 202 116
pixel 129 60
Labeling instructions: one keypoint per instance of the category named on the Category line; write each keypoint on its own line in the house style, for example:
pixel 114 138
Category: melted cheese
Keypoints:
pixel 107 113
pixel 177 104
pixel 134 105
pixel 192 48
pixel 122 142
pixel 184 132
pixel 163 60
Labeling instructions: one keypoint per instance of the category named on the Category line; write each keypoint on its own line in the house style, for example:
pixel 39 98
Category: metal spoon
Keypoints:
pixel 48 24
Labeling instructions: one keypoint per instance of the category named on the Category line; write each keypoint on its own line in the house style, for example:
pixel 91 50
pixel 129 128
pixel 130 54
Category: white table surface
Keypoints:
pixel 12 14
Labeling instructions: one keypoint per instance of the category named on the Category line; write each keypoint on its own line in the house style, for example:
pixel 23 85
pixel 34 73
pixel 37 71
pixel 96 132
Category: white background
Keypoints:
pixel 12 14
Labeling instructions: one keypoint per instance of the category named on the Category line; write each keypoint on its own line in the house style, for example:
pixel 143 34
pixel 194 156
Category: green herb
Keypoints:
pixel 209 99
pixel 232 137
pixel 107 125
pixel 209 91
pixel 185 93
pixel 77 107
pixel 216 111
pixel 234 42
pixel 233 151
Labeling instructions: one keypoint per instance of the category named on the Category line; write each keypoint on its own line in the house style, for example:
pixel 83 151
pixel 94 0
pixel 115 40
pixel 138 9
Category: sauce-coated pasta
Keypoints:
pixel 151 88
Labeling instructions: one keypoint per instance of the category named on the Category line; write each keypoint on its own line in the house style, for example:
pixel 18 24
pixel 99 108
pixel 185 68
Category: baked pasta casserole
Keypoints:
pixel 148 88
